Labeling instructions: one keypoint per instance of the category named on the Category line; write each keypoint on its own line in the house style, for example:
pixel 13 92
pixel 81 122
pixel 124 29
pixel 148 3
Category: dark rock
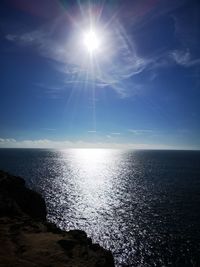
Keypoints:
pixel 28 240
pixel 67 244
pixel 17 199
pixel 78 235
pixel 53 228
pixel 95 247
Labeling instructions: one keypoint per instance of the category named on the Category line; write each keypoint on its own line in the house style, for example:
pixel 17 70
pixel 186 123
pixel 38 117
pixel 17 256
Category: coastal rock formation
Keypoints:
pixel 27 239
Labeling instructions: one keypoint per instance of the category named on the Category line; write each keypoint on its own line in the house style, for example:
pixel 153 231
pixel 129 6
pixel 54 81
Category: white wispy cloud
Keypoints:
pixel 65 144
pixel 115 133
pixel 115 65
pixel 184 58
pixel 119 61
pixel 139 132
pixel 11 37
pixel 41 39
pixel 7 140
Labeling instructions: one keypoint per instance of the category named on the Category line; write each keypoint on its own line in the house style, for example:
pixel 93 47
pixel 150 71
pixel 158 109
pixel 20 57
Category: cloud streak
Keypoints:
pixel 116 133
pixel 117 62
pixel 140 132
pixel 67 144
pixel 120 61
pixel 184 58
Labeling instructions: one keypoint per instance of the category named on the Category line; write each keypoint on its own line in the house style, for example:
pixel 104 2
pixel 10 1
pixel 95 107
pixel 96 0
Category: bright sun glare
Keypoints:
pixel 92 41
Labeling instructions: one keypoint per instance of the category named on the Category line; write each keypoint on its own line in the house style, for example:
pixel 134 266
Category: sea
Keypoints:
pixel 143 205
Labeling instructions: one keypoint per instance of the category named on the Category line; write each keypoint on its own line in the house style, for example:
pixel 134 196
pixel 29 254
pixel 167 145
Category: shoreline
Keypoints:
pixel 28 239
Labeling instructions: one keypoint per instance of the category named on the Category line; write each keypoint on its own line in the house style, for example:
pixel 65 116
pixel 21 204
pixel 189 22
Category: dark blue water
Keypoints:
pixel 142 205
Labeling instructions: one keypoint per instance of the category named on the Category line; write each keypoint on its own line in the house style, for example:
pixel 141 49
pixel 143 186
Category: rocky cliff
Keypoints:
pixel 27 239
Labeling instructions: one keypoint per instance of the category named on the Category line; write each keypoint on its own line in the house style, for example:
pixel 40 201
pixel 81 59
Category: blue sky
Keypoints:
pixel 141 90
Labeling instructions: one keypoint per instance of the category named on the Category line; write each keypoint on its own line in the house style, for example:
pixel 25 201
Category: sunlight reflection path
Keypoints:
pixel 94 177
pixel 93 193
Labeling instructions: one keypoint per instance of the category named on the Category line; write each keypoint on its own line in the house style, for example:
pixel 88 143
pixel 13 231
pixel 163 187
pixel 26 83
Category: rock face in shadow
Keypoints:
pixel 27 239
pixel 16 199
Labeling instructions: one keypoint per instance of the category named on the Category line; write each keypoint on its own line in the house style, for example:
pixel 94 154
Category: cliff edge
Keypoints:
pixel 27 239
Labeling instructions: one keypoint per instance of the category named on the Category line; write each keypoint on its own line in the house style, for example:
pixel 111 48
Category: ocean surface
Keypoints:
pixel 142 205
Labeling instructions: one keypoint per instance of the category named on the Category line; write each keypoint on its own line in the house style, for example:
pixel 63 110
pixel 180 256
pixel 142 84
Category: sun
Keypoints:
pixel 92 41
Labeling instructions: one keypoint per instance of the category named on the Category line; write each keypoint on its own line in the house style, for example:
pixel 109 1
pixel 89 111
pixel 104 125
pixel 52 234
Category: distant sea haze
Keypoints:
pixel 142 205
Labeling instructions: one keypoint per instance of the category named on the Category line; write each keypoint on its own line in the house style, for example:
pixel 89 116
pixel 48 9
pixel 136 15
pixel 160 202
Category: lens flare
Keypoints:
pixel 92 41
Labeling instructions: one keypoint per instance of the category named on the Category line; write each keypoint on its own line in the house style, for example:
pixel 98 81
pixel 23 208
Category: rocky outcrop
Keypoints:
pixel 27 239
pixel 17 200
